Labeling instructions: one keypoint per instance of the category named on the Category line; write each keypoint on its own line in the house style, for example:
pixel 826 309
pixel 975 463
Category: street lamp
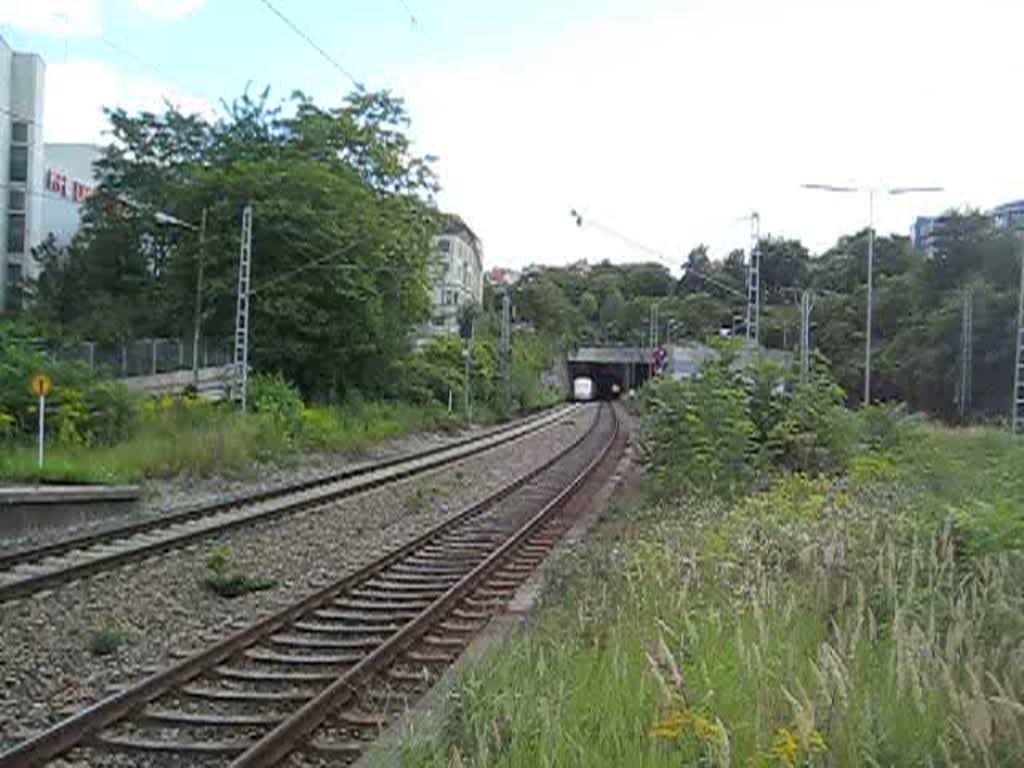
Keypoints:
pixel 871 258
pixel 168 220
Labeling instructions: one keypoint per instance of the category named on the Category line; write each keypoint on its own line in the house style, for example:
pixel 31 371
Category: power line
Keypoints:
pixel 413 21
pixel 330 59
pixel 136 58
pixel 580 220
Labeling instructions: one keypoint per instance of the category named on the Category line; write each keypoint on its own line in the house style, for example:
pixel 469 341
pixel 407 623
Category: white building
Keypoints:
pixel 69 179
pixel 21 168
pixel 457 276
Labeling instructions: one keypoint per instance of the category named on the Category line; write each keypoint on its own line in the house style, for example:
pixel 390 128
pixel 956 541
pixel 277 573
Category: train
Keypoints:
pixel 584 389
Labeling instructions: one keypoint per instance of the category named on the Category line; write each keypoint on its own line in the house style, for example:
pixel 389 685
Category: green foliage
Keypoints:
pixel 814 623
pixel 223 580
pixel 271 395
pixel 195 438
pixel 716 431
pixel 991 527
pixel 343 221
pixel 88 410
pixel 698 432
pixel 108 639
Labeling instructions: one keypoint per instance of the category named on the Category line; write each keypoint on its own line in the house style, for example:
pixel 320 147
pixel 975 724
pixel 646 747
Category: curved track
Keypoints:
pixel 315 683
pixel 27 571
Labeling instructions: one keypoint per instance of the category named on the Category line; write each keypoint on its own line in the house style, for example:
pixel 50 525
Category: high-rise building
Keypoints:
pixel 21 168
pixel 457 275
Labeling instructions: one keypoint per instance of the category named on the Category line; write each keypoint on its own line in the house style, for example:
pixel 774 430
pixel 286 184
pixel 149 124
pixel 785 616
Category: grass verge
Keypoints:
pixel 870 619
pixel 198 439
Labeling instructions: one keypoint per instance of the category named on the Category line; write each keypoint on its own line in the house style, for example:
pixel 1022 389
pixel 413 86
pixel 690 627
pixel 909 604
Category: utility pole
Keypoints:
pixel 197 317
pixel 754 280
pixel 871 281
pixel 465 357
pixel 806 305
pixel 966 354
pixel 241 359
pixel 506 351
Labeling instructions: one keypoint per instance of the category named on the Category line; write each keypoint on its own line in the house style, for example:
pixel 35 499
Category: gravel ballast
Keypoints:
pixel 160 607
pixel 169 495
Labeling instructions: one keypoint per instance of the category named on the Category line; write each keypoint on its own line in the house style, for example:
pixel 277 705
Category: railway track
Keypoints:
pixel 28 571
pixel 316 682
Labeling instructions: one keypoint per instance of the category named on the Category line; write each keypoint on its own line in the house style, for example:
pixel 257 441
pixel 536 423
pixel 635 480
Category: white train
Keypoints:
pixel 582 388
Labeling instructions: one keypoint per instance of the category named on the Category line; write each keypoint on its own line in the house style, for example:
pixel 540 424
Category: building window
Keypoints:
pixel 19 133
pixel 19 164
pixel 16 200
pixel 444 245
pixel 16 233
pixel 13 286
pixel 438 320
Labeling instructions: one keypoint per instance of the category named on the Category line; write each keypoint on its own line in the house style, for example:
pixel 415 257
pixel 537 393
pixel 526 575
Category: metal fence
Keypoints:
pixel 145 357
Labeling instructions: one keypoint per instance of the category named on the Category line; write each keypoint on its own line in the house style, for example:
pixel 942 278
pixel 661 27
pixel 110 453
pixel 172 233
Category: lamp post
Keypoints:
pixel 871 258
pixel 164 218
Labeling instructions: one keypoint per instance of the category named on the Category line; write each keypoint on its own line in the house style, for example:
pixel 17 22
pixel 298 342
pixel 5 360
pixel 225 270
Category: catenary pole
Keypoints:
pixel 198 314
pixel 871 280
pixel 241 358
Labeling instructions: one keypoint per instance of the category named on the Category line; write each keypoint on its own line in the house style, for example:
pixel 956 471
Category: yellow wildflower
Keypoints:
pixel 785 747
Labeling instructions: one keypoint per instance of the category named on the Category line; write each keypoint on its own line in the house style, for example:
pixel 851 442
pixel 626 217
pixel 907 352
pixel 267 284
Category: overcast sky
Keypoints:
pixel 666 121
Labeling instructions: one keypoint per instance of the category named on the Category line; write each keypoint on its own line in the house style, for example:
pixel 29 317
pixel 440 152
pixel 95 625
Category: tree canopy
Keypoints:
pixel 918 301
pixel 342 226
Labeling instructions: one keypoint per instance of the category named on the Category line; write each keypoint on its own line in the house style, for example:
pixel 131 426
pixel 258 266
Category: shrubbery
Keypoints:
pixel 88 409
pixel 722 428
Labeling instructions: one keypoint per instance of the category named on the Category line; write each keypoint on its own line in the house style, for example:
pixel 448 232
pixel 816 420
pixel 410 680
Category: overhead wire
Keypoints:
pixel 413 21
pixel 313 44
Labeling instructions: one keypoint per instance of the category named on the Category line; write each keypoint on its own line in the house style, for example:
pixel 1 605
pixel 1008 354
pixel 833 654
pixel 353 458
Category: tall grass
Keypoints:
pixel 873 619
pixel 197 439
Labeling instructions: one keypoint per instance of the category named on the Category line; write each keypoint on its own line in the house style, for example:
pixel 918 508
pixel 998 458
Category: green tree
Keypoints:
pixel 343 220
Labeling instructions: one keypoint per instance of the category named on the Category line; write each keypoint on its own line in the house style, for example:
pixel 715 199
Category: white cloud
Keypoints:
pixel 83 18
pixel 670 130
pixel 168 9
pixel 77 91
pixel 59 18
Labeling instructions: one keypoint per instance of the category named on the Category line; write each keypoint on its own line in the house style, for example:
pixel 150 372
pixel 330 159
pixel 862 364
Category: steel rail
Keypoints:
pixel 284 738
pixel 75 571
pixel 77 729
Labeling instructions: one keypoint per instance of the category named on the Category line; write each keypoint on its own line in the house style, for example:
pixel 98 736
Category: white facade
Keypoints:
pixel 69 179
pixel 21 168
pixel 457 277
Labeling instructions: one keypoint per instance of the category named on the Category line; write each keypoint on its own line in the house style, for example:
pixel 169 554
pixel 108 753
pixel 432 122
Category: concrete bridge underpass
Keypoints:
pixel 606 366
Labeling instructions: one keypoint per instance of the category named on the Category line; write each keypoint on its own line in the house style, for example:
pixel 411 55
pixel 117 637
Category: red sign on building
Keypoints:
pixel 58 183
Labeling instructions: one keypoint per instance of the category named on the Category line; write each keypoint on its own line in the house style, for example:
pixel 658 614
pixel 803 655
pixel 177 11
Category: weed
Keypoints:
pixel 224 581
pixel 108 639
pixel 817 622
pixel 422 498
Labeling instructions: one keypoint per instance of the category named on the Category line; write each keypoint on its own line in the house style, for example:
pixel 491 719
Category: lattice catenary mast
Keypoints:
pixel 241 360
pixel 754 280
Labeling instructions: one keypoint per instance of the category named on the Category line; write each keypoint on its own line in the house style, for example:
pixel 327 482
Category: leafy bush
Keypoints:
pixel 271 395
pixel 698 432
pixel 717 430
pixel 90 410
pixel 990 527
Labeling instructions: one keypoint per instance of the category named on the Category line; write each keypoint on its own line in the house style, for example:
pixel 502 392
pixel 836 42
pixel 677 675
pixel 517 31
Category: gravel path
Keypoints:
pixel 47 668
pixel 164 496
